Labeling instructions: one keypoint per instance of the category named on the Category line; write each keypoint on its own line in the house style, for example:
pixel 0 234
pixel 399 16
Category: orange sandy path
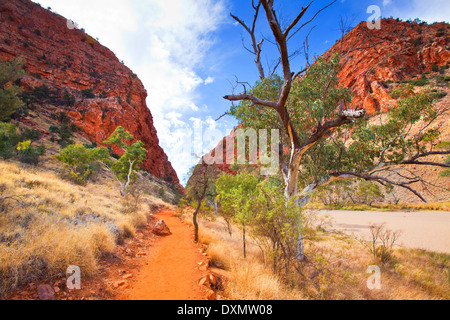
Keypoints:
pixel 170 271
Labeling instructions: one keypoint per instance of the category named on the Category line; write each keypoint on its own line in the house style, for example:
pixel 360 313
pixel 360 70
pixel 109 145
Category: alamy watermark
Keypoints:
pixel 257 151
pixel 374 21
pixel 374 280
pixel 74 280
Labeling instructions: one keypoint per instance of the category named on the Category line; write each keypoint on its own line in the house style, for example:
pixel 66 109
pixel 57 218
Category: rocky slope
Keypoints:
pixel 397 51
pixel 68 61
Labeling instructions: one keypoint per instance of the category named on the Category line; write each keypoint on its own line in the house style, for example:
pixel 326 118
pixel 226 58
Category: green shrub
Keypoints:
pixel 10 101
pixel 21 113
pixel 43 94
pixel 65 130
pixel 420 82
pixel 369 192
pixel 93 145
pixel 80 163
pixel 68 99
pixel 9 138
pixel 402 91
pixel 437 94
pixel 446 172
pixel 30 134
pixel 28 154
pixel 88 93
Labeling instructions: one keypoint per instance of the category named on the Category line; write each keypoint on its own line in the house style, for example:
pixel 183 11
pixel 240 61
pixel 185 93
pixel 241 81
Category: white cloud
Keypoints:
pixel 386 2
pixel 426 10
pixel 209 80
pixel 173 42
pixel 165 42
pixel 109 20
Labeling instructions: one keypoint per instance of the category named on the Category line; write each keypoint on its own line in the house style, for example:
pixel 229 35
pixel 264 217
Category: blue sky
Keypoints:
pixel 188 54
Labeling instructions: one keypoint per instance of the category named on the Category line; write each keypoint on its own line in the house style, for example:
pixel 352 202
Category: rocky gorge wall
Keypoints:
pixel 68 61
pixel 398 51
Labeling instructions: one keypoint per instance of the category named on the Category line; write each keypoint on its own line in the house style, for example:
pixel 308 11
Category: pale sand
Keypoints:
pixel 428 230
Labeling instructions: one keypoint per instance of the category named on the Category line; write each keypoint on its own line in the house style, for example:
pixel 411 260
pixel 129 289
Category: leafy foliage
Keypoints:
pixel 335 193
pixel 81 162
pixel 369 192
pixel 12 143
pixel 88 93
pixel 124 169
pixel 358 147
pixel 313 98
pixel 9 138
pixel 28 154
pixel 259 203
pixel 9 101
pixel 65 128
pixel 402 91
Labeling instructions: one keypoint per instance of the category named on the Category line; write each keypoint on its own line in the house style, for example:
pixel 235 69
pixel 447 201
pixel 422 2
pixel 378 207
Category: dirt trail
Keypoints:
pixel 170 271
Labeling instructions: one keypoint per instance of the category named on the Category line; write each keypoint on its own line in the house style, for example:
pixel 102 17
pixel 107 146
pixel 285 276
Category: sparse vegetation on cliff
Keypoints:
pixel 10 72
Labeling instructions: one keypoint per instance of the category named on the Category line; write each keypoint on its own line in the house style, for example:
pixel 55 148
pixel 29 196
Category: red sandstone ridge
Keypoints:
pixel 397 51
pixel 67 59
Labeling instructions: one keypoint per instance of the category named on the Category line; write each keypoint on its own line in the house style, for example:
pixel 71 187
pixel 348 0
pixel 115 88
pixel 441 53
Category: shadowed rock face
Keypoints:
pixel 67 59
pixel 397 51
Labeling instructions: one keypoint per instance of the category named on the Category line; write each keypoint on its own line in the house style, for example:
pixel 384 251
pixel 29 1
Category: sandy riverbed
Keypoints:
pixel 428 230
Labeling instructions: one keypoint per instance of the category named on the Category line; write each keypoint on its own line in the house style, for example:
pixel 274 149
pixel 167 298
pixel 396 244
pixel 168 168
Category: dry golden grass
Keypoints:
pixel 336 269
pixel 251 279
pixel 51 224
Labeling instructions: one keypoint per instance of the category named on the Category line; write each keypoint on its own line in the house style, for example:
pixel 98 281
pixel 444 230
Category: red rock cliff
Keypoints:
pixel 65 58
pixel 397 51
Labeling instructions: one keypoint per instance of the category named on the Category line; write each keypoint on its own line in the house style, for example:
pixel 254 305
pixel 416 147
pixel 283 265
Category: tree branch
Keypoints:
pixel 223 115
pixel 296 20
pixel 253 99
pixel 256 46
pixel 379 179
pixel 345 117
pixel 309 21
pixel 426 154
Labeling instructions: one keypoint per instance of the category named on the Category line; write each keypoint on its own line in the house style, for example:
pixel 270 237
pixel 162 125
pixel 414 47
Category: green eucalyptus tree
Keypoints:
pixel 124 169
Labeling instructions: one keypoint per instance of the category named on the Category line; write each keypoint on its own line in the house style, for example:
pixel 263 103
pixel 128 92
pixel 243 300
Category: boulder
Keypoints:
pixel 45 292
pixel 161 229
